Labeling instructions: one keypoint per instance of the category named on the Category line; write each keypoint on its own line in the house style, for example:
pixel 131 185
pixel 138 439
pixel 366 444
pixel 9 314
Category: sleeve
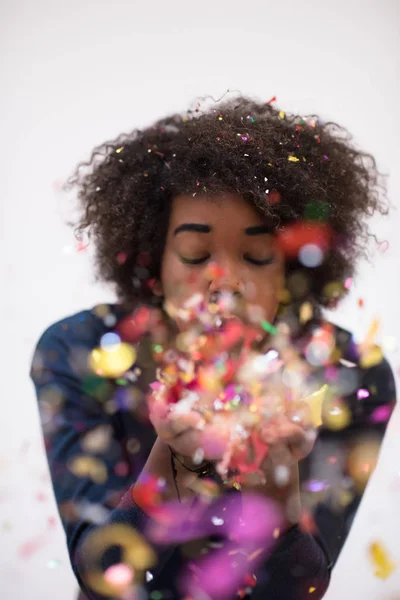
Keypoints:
pixel 335 475
pixel 298 568
pixel 91 477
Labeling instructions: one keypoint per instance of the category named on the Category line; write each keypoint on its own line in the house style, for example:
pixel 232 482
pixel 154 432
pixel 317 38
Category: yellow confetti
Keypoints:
pixel 306 312
pixel 362 460
pixel 276 533
pixel 336 415
pixel 293 159
pixel 118 150
pixel 282 114
pixel 311 590
pixel 87 466
pixel 373 356
pixel 381 561
pixel 315 402
pixel 136 553
pixel 112 361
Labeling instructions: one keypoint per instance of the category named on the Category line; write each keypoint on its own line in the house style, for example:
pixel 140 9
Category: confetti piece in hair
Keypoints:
pixel 383 246
pixel 122 258
pixel 293 158
pixel 274 197
pixel 273 99
pixel 118 150
pixel 384 566
pixel 293 237
pixel 81 246
pixel 282 114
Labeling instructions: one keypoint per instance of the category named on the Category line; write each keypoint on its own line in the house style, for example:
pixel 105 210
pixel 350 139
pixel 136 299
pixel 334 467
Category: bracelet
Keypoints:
pixel 206 470
pixel 203 470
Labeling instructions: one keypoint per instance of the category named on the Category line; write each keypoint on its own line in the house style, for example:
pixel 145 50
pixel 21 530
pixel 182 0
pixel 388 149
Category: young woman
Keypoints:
pixel 238 199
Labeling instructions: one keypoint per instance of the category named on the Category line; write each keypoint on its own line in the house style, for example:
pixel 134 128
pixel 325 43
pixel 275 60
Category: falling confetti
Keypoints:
pixel 380 559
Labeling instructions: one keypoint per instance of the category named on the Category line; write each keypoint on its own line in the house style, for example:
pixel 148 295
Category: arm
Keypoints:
pixel 72 404
pixel 335 508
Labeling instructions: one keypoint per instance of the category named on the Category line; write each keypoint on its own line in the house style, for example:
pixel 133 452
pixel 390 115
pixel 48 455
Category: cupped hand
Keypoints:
pixel 188 431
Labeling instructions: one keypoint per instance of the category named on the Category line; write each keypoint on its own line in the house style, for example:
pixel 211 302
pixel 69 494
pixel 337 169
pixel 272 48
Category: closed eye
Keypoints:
pixel 259 263
pixel 194 261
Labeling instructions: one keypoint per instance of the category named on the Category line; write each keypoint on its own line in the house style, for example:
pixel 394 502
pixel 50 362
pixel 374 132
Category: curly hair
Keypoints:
pixel 291 168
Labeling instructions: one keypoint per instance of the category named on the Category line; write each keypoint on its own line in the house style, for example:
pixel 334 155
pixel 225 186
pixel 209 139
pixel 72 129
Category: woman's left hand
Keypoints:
pixel 288 443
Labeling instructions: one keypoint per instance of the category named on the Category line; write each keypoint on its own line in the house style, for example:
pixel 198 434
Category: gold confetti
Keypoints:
pixel 373 356
pixel 112 361
pixel 311 590
pixel 87 466
pixel 293 159
pixel 282 114
pixel 336 415
pixel 315 402
pixel 136 553
pixel 306 312
pixel 381 560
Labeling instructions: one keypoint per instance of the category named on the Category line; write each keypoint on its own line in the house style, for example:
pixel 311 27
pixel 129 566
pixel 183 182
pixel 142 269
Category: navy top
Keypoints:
pixel 73 401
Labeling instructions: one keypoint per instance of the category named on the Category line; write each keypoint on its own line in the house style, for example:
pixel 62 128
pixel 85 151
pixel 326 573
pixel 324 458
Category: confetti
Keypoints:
pixel 112 361
pixel 136 557
pixel 380 559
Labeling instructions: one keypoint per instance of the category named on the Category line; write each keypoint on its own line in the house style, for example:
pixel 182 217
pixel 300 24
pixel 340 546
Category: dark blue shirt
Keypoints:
pixel 73 402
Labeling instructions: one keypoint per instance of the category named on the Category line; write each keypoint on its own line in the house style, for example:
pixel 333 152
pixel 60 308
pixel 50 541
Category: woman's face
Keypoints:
pixel 220 245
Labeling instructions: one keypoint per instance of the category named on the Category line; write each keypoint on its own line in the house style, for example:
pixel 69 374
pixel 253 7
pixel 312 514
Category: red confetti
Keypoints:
pixel 293 237
pixel 273 99
pixel 121 257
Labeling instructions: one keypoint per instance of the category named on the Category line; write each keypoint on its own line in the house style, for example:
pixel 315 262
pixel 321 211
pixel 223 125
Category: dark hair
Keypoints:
pixel 290 167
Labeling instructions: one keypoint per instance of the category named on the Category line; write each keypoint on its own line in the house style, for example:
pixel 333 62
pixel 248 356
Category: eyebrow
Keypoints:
pixel 198 227
pixel 202 228
pixel 259 230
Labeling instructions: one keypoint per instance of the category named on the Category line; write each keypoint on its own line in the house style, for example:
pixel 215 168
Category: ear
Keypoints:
pixel 158 289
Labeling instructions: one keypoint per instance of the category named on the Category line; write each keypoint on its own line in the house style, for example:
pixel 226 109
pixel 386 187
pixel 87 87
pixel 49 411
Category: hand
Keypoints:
pixel 287 444
pixel 187 431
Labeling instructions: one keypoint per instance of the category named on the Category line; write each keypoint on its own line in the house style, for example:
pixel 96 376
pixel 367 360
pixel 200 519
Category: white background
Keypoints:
pixel 75 73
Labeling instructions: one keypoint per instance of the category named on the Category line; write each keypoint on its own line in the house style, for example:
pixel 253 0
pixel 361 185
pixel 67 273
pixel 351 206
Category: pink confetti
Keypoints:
pixel 381 414
pixel 362 393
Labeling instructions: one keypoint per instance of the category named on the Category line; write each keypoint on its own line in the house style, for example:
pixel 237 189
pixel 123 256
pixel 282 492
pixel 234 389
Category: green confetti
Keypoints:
pixel 156 595
pixel 269 328
pixel 316 211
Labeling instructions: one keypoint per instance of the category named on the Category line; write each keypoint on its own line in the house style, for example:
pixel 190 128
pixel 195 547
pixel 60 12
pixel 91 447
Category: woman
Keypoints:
pixel 238 199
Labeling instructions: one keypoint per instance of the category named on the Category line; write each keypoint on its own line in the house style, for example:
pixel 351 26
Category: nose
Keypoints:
pixel 228 284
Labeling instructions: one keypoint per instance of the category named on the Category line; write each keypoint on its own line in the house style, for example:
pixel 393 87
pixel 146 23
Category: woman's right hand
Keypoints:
pixel 189 431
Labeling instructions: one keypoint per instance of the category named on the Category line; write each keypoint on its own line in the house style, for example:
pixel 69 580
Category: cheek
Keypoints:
pixel 267 288
pixel 179 282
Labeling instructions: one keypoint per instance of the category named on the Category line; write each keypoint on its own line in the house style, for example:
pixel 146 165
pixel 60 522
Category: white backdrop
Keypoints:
pixel 77 72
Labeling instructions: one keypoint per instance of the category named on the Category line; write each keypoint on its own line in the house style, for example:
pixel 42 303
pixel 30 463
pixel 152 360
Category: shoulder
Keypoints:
pixel 83 327
pixel 74 335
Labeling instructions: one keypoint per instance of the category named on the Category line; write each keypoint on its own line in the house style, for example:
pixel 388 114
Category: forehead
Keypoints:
pixel 227 209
